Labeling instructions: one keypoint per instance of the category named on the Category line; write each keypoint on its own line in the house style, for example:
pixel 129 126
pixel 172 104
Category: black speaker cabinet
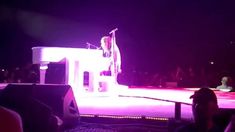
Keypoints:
pixel 38 104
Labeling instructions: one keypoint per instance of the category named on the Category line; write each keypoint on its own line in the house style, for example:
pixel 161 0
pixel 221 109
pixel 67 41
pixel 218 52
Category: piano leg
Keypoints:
pixel 43 68
pixel 95 81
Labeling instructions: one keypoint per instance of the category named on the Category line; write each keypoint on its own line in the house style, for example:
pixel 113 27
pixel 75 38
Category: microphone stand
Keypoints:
pixel 114 65
pixel 89 45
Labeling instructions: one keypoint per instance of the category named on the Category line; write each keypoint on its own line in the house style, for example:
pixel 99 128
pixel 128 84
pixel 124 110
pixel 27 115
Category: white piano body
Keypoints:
pixel 77 61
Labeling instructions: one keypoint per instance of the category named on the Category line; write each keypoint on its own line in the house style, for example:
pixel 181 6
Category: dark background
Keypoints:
pixel 153 35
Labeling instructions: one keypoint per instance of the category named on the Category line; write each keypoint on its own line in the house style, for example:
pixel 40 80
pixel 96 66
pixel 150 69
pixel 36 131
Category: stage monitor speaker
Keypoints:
pixel 38 104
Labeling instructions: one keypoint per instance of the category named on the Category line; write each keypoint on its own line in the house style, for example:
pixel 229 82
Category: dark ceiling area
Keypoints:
pixel 153 35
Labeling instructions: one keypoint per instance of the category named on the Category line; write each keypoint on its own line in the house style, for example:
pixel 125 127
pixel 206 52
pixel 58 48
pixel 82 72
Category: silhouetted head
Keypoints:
pixel 204 105
pixel 226 81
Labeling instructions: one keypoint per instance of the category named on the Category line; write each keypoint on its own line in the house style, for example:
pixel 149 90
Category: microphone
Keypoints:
pixel 114 30
pixel 88 45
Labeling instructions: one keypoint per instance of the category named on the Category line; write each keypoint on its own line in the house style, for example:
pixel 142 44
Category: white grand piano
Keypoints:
pixel 77 61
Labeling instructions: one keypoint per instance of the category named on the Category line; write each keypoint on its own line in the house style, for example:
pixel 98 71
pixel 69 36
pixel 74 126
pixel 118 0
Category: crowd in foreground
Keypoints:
pixel 180 77
pixel 204 108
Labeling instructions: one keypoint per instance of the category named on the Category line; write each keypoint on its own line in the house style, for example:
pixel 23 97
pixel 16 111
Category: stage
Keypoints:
pixel 146 102
pixel 155 108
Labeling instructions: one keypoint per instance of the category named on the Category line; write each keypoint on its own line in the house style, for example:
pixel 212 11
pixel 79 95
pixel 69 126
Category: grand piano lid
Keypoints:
pixel 57 54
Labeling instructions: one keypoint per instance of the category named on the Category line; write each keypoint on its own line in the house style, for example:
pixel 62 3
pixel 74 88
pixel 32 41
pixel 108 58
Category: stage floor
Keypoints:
pixel 146 101
pixel 143 101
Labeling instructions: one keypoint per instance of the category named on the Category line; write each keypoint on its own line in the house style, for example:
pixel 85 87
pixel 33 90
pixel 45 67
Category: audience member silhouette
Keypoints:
pixel 231 125
pixel 10 121
pixel 204 108
pixel 226 85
